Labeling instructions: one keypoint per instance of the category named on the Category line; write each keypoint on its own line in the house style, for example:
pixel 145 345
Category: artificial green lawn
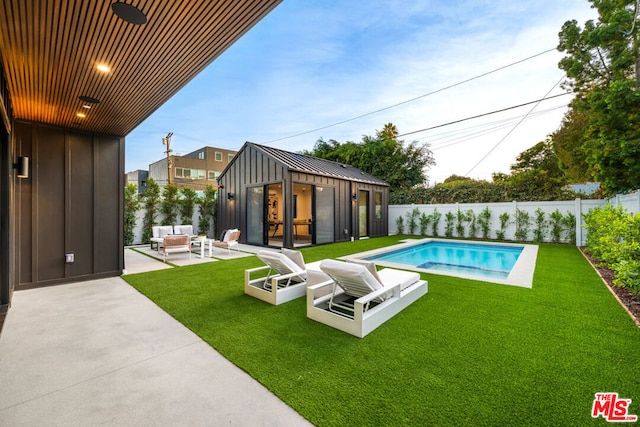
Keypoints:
pixel 466 353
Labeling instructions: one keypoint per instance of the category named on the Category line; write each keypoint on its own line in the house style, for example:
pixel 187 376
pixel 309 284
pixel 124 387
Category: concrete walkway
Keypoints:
pixel 100 353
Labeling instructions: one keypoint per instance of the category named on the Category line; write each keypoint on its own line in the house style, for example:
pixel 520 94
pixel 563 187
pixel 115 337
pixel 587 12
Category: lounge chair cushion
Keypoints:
pixel 295 256
pixel 358 276
pixel 282 264
pixel 391 277
pixel 369 265
pixel 183 229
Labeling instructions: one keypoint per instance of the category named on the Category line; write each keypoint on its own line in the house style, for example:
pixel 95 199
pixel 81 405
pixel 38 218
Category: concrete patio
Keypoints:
pixel 100 353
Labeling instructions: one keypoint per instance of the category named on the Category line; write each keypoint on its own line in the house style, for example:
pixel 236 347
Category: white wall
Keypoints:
pixel 578 207
pixel 140 219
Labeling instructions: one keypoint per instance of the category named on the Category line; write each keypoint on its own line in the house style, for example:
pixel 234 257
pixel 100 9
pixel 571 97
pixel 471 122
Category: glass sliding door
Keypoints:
pixel 255 215
pixel 324 215
pixel 363 213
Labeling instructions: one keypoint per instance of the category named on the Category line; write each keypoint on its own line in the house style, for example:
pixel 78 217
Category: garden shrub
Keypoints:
pixel 473 224
pixel 614 239
pixel 448 224
pixel 187 204
pixel 400 225
pixel 412 220
pixel 151 198
pixel 435 216
pixel 207 205
pixel 541 226
pixel 169 205
pixel 556 226
pixel 461 218
pixel 504 222
pixel 483 222
pixel 424 223
pixel 131 206
pixel 569 222
pixel 522 224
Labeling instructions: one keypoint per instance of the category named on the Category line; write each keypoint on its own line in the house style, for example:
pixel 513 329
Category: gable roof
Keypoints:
pixel 314 165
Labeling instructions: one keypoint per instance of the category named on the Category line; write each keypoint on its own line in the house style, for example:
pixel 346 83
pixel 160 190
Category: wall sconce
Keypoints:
pixel 354 196
pixel 23 167
pixel 230 196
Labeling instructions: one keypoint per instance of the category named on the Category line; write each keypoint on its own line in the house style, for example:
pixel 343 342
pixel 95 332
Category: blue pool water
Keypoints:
pixel 485 260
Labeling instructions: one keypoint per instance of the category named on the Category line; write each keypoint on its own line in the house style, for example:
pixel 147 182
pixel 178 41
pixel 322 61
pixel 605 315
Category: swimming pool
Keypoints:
pixel 506 263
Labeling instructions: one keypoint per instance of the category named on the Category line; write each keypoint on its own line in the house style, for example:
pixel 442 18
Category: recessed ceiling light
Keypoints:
pixel 87 106
pixel 88 99
pixel 81 115
pixel 104 68
pixel 129 13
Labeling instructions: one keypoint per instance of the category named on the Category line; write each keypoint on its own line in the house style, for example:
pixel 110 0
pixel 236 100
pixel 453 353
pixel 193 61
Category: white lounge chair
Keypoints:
pixel 285 278
pixel 360 298
pixel 157 234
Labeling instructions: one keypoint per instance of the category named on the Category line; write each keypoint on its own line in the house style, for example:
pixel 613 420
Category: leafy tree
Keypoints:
pixel 207 205
pixel 169 204
pixel 402 165
pixel 152 199
pixel 187 204
pixel 601 64
pixel 131 206
pixel 567 144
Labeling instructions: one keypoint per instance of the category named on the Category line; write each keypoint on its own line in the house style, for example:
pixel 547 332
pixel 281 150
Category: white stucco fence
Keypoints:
pixel 578 207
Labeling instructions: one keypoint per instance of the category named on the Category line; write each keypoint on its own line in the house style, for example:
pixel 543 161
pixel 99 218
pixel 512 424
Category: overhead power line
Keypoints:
pixel 414 99
pixel 514 128
pixel 484 114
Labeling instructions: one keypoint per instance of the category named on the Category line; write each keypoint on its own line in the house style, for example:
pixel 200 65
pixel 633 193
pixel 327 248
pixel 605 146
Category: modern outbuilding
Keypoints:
pixel 284 199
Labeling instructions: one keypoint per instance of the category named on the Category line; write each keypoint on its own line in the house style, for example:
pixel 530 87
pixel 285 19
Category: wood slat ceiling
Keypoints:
pixel 50 49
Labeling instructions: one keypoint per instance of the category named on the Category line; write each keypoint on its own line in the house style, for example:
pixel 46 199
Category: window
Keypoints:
pixel 199 174
pixel 230 157
pixel 179 173
pixel 378 211
pixel 186 173
pixel 201 155
pixel 213 174
pixel 218 156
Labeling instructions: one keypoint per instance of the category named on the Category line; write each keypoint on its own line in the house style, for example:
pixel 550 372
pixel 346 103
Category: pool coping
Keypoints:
pixel 521 274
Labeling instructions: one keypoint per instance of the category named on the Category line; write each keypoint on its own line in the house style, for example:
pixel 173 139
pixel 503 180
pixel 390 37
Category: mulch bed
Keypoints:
pixel 626 298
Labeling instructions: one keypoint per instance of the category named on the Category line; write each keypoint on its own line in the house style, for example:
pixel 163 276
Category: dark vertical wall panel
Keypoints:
pixel 80 206
pixel 108 226
pixel 49 190
pixel 72 202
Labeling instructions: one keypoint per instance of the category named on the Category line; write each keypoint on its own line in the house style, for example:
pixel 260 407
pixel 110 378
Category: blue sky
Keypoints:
pixel 311 64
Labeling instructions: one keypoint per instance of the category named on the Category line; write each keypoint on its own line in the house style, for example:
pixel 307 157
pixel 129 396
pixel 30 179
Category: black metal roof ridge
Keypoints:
pixel 302 163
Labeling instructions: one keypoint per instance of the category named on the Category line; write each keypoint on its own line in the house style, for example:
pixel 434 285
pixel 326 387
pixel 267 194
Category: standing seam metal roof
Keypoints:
pixel 307 164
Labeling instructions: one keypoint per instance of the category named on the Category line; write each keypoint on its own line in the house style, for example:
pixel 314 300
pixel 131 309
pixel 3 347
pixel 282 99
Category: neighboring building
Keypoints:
pixel 283 199
pixel 139 178
pixel 64 115
pixel 195 170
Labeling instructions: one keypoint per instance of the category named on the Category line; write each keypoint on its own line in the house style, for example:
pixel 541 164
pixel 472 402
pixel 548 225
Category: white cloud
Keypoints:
pixel 312 64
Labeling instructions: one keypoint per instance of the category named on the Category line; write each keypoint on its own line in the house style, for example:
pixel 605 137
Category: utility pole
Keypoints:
pixel 167 141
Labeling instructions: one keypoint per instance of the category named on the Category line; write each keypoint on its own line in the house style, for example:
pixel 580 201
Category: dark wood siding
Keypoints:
pixel 71 203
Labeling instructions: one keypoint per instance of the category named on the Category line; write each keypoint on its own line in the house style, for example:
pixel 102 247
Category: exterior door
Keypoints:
pixel 363 213
pixel 323 216
pixel 256 215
